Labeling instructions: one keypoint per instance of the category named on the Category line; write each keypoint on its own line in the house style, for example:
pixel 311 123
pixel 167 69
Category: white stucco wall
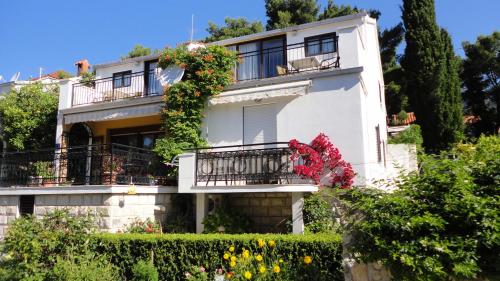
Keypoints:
pixel 106 72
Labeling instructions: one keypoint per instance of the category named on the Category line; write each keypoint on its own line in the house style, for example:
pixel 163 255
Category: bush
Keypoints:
pixel 33 245
pixel 318 214
pixel 441 224
pixel 231 220
pixel 143 226
pixel 144 271
pixel 412 135
pixel 86 267
pixel 176 254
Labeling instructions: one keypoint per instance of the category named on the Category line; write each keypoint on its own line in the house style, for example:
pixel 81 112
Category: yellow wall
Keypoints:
pixel 101 128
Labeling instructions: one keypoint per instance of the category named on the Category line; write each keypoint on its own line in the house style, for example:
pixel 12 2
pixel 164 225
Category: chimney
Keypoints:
pixel 82 66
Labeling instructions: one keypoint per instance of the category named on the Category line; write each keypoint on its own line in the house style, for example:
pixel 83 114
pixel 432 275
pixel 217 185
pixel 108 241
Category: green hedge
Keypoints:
pixel 174 254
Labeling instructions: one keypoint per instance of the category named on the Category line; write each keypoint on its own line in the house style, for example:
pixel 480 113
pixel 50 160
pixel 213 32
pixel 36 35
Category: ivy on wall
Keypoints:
pixel 207 71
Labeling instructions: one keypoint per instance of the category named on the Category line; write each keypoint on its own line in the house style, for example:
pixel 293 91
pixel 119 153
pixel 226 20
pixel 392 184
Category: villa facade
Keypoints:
pixel 292 83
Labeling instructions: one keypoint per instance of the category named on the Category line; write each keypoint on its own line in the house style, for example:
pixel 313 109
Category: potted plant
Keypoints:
pixel 44 173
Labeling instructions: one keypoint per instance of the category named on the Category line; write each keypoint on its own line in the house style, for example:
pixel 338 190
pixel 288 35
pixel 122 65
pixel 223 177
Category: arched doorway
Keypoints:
pixel 79 154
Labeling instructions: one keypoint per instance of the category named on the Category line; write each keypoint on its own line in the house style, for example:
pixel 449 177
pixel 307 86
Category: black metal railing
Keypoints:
pixel 124 86
pixel 266 163
pixel 91 165
pixel 287 60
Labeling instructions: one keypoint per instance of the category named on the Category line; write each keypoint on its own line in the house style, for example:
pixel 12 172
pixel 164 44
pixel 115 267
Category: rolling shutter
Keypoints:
pixel 259 124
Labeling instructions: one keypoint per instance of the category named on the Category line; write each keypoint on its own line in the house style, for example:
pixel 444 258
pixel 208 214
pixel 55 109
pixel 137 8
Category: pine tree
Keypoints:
pixel 235 27
pixel 450 89
pixel 283 13
pixel 423 66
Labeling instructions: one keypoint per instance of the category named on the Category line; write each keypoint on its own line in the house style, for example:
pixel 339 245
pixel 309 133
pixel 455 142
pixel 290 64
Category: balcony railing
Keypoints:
pixel 252 65
pixel 287 60
pixel 131 85
pixel 267 163
pixel 84 165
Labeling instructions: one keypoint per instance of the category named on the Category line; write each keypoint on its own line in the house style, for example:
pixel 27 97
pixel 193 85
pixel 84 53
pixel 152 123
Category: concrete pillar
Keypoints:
pixel 187 172
pixel 297 217
pixel 201 210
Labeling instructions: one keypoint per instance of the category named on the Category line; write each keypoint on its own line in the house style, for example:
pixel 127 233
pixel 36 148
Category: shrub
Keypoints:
pixel 441 224
pixel 32 245
pixel 412 135
pixel 176 254
pixel 143 226
pixel 318 214
pixel 86 267
pixel 144 271
pixel 232 221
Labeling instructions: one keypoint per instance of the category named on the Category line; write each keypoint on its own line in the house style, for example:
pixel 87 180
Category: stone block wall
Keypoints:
pixel 8 211
pixel 113 211
pixel 269 212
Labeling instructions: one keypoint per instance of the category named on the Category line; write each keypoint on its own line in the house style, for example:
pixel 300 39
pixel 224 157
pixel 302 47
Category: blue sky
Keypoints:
pixel 53 34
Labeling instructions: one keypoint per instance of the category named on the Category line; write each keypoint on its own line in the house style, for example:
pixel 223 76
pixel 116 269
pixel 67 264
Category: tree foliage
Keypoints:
pixel 332 10
pixel 29 116
pixel 480 75
pixel 138 51
pixel 234 28
pixel 425 70
pixel 440 224
pixel 284 13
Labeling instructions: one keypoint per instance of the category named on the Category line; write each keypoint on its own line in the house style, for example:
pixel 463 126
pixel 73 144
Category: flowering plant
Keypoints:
pixel 143 226
pixel 321 158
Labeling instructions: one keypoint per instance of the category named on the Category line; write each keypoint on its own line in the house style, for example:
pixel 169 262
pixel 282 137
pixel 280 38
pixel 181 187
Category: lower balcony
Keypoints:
pixel 109 164
pixel 265 167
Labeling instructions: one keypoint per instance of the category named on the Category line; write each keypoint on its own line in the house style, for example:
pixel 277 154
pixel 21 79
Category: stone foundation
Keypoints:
pixel 270 212
pixel 113 210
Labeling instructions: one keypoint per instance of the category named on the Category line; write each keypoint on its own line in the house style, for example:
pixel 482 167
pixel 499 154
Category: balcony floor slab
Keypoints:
pixel 254 188
pixel 87 189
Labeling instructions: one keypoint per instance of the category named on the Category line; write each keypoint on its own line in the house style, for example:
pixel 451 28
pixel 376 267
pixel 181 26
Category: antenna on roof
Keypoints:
pixel 15 77
pixel 40 73
pixel 192 27
pixel 1 78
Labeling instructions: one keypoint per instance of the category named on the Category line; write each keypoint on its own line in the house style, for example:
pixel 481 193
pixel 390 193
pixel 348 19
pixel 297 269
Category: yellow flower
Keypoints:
pixel 276 269
pixel 271 243
pixel 262 269
pixel 232 264
pixel 247 275
pixel 261 243
pixel 231 249
pixel 308 259
pixel 226 256
pixel 229 275
pixel 245 254
pixel 281 260
pixel 233 258
pixel 258 258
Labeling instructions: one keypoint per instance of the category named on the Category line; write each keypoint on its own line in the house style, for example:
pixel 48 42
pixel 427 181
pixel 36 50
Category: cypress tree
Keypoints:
pixel 450 89
pixel 423 66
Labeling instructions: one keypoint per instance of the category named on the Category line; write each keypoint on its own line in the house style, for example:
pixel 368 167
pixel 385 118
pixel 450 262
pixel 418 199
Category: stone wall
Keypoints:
pixel 8 211
pixel 113 211
pixel 269 212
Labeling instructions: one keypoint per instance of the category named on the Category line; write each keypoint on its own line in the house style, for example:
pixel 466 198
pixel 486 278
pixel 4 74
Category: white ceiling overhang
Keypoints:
pixel 113 113
pixel 260 93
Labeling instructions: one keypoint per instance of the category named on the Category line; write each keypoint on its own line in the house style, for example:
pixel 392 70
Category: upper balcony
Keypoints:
pixel 261 59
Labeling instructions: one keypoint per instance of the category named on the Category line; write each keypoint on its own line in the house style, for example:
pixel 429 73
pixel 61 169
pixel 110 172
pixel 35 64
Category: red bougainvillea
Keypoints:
pixel 321 158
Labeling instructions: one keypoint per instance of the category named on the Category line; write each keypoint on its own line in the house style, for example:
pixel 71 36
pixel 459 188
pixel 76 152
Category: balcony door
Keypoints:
pixel 259 59
pixel 151 84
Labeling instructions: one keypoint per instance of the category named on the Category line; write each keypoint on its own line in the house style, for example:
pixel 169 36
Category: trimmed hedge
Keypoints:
pixel 174 254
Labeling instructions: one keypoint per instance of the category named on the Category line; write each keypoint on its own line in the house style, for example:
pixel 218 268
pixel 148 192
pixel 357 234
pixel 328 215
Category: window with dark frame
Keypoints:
pixel 26 205
pixel 122 79
pixel 320 44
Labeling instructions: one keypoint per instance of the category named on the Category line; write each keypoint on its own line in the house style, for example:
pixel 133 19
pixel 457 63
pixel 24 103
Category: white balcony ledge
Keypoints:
pixel 87 189
pixel 253 188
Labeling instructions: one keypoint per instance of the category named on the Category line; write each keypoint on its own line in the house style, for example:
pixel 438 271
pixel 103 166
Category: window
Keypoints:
pixel 259 59
pixel 122 79
pixel 142 137
pixel 322 44
pixel 379 150
pixel 26 205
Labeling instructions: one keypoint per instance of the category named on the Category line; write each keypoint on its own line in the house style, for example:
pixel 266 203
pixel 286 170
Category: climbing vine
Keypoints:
pixel 207 71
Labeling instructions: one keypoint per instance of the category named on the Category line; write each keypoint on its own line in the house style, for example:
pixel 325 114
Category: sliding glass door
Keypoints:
pixel 259 59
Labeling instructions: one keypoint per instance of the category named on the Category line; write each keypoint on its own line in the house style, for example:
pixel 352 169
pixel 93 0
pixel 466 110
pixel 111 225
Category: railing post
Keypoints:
pixel 111 164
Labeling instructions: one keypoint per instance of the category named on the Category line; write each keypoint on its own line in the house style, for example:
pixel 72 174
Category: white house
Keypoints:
pixel 292 83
